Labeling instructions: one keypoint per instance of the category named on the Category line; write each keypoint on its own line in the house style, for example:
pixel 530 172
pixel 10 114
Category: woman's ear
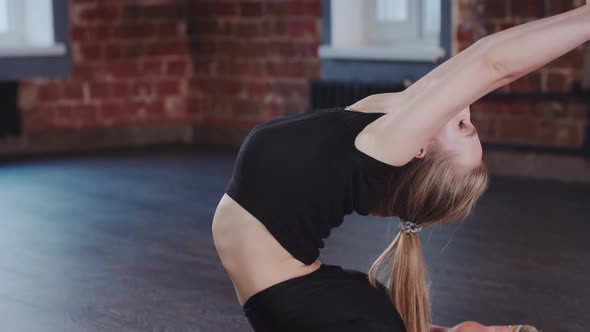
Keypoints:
pixel 421 153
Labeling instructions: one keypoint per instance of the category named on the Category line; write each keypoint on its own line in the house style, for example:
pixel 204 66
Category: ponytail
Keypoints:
pixel 425 191
pixel 408 287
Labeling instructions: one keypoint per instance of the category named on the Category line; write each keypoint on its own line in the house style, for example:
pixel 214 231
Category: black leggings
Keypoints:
pixel 329 299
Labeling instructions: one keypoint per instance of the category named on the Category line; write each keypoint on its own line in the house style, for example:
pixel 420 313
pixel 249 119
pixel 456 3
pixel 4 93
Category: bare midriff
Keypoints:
pixel 252 257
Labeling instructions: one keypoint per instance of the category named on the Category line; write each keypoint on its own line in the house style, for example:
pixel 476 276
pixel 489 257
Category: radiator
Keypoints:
pixel 9 112
pixel 327 94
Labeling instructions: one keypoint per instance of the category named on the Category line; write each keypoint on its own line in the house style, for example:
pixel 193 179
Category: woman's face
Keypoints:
pixel 460 137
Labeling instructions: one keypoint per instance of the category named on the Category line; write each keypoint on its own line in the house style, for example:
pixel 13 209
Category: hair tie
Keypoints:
pixel 410 227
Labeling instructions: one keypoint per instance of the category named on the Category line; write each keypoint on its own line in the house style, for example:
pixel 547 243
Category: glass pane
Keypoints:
pixel 3 16
pixel 392 10
pixel 432 17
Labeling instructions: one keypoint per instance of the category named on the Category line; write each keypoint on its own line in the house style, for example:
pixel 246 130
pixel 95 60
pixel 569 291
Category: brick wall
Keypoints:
pixel 219 67
pixel 130 68
pixel 253 58
pixel 151 63
pixel 553 122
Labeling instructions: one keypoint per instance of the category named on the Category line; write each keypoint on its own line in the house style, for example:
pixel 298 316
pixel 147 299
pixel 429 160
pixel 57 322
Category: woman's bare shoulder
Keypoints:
pixel 393 104
pixel 379 103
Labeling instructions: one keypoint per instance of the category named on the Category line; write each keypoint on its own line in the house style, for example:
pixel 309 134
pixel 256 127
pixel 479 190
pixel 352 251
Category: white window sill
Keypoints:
pixel 32 51
pixel 404 53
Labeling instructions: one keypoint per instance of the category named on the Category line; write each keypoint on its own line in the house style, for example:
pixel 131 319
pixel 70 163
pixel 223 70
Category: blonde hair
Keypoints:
pixel 425 191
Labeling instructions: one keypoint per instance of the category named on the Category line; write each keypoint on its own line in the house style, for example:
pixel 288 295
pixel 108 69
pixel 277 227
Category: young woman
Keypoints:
pixel 413 154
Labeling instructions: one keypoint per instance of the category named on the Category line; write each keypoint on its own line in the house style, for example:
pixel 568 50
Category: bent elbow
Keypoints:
pixel 499 67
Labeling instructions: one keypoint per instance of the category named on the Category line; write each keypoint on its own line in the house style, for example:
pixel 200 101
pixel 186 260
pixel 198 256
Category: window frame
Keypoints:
pixel 23 40
pixel 348 43
pixel 42 62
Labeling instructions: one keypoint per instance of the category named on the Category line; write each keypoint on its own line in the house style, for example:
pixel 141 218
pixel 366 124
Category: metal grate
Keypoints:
pixel 9 112
pixel 327 94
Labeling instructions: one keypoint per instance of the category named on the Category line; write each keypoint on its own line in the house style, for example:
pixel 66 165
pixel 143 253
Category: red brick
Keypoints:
pixel 50 92
pixel 198 9
pixel 134 49
pixel 167 88
pixel 169 29
pixel 119 89
pixel 506 25
pixel 291 49
pixel 276 8
pixel 313 8
pixel 73 90
pixel 300 28
pixel 175 47
pixel 296 8
pixel 491 106
pixel 205 27
pixel 528 8
pixel 83 2
pixel 77 33
pixel 106 14
pixel 100 90
pixel 85 71
pixel 558 6
pixel 223 9
pixel 246 29
pixel 203 67
pixel 228 47
pixel 151 67
pixel 129 31
pixel 254 49
pixel 466 32
pixel 573 59
pixel 162 11
pixel 177 67
pixel 131 12
pixel 259 89
pixel 98 34
pixel 493 9
pixel 250 9
pixel 204 85
pixel 113 51
pixel 231 88
pixel 293 69
pixel 557 82
pixel 272 68
pixel 528 83
pixel 123 69
pixel 64 112
pixel 142 89
pixel 291 89
pixel 91 52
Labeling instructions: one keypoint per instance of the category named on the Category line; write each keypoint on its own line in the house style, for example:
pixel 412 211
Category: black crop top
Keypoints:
pixel 299 175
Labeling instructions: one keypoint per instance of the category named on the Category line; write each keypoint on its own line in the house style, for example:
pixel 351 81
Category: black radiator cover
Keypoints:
pixel 9 112
pixel 327 94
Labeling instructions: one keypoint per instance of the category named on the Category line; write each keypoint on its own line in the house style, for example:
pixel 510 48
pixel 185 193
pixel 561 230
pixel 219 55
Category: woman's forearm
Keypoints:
pixel 527 47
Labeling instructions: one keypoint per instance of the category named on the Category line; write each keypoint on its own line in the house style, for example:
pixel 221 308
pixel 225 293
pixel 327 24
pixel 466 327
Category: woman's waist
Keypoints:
pixel 249 253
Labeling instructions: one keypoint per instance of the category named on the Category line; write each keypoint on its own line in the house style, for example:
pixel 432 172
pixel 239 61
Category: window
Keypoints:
pixel 27 29
pixel 385 30
pixel 3 16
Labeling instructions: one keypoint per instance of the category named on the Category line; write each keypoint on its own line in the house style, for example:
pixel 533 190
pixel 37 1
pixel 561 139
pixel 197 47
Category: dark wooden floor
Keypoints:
pixel 121 242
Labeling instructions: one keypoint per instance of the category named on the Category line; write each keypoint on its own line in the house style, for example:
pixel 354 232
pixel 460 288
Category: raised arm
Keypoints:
pixel 415 115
